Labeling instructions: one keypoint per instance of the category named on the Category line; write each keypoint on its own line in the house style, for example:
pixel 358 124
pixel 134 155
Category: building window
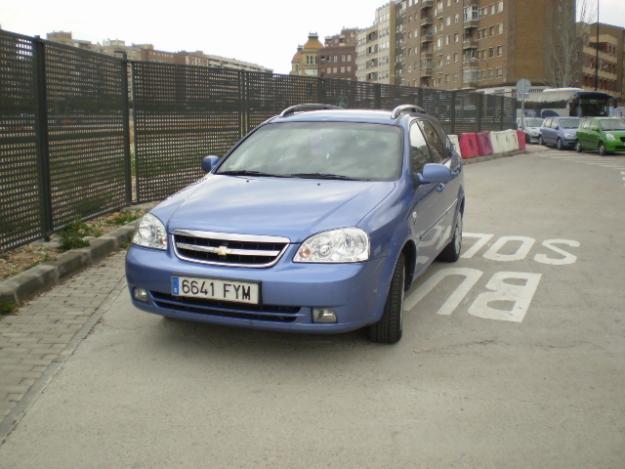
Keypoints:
pixel 500 50
pixel 500 7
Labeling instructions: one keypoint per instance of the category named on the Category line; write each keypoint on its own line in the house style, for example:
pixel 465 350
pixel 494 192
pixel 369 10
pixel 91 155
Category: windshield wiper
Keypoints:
pixel 249 173
pixel 322 176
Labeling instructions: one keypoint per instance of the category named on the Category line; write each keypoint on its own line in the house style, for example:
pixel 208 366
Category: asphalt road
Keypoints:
pixel 513 358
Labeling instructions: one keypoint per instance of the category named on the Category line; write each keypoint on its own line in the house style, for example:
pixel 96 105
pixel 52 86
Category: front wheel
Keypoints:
pixel 602 150
pixel 388 329
pixel 559 144
pixel 578 147
pixel 540 140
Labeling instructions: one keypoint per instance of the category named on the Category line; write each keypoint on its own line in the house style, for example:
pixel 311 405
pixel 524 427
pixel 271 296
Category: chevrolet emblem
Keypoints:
pixel 223 251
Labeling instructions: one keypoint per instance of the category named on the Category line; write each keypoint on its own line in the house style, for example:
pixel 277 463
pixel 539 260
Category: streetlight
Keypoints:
pixel 597 51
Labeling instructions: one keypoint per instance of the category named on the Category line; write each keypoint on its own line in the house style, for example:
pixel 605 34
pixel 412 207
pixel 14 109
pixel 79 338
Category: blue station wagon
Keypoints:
pixel 317 221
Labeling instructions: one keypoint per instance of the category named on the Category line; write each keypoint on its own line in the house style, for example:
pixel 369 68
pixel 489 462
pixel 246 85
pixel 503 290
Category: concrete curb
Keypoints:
pixel 480 159
pixel 23 286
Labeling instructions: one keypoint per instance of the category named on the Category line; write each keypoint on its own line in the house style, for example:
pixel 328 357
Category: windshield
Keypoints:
pixel 570 123
pixel 533 122
pixel 320 150
pixel 612 124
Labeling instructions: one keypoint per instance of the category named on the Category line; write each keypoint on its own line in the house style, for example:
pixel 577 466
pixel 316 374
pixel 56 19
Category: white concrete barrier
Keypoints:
pixel 455 143
pixel 497 141
pixel 512 140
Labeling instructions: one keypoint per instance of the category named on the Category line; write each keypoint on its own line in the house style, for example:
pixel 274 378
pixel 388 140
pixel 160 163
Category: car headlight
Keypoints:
pixel 611 137
pixel 346 245
pixel 150 233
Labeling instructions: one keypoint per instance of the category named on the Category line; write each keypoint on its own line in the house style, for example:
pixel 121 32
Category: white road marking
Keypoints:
pixel 521 252
pixel 566 259
pixel 482 241
pixel 501 291
pixel 471 276
pixel 508 295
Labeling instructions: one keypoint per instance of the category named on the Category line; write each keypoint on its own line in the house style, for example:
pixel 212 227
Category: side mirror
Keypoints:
pixel 434 173
pixel 209 162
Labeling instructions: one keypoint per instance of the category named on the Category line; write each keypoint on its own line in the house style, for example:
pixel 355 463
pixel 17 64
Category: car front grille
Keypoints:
pixel 229 249
pixel 225 309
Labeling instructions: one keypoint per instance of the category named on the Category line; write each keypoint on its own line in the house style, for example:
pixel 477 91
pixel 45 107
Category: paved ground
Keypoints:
pixel 514 357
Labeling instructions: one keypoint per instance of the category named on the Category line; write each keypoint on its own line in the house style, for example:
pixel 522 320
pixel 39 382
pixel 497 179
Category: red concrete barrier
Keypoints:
pixel 521 136
pixel 484 147
pixel 468 145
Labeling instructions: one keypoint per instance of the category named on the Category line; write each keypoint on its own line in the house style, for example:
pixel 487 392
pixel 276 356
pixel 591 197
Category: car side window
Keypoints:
pixel 419 152
pixel 436 145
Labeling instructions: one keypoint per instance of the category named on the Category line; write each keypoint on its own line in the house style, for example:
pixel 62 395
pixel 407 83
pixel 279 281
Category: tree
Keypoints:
pixel 566 44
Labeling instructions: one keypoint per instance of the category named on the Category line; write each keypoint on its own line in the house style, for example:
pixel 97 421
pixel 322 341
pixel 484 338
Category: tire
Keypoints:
pixel 559 144
pixel 602 150
pixel 451 253
pixel 578 147
pixel 540 140
pixel 388 329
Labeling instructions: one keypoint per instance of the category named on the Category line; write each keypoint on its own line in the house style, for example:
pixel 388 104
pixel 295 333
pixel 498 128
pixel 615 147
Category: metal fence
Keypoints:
pixel 65 146
pixel 63 137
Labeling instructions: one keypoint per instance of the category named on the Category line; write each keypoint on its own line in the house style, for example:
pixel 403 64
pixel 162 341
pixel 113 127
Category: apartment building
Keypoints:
pixel 305 62
pixel 337 59
pixel 375 49
pixel 611 48
pixel 460 44
pixel 147 53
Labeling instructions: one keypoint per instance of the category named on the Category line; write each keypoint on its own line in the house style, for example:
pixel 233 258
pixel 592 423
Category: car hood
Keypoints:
pixel 295 208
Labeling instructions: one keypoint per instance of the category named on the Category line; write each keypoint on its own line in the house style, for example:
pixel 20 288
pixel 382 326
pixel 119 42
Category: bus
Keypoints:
pixel 572 102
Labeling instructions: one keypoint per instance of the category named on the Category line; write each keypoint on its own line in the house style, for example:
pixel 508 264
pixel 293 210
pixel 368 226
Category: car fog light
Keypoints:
pixel 324 315
pixel 141 294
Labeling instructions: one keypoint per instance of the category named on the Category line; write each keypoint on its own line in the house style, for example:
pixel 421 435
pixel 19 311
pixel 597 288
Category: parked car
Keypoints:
pixel 559 132
pixel 602 134
pixel 531 127
pixel 317 221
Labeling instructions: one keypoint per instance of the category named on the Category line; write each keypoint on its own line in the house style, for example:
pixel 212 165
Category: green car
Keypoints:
pixel 604 134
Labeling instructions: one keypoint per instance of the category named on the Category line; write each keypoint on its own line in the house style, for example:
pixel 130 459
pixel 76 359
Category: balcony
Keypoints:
pixel 427 37
pixel 470 62
pixel 470 43
pixel 426 21
pixel 471 23
pixel 427 4
pixel 427 67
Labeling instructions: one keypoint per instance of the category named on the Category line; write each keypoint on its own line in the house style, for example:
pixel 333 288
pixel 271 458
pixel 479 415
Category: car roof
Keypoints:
pixel 349 115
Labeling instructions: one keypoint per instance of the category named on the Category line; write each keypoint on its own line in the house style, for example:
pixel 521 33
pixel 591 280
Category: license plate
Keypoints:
pixel 215 289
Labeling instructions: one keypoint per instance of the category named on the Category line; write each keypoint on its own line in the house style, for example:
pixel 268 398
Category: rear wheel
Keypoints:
pixel 451 253
pixel 578 147
pixel 388 329
pixel 559 144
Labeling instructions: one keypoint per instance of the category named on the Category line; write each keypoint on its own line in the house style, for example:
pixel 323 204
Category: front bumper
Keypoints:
pixel 614 146
pixel 289 292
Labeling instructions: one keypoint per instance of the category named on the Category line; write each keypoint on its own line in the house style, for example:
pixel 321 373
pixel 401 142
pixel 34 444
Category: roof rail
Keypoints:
pixel 307 107
pixel 406 108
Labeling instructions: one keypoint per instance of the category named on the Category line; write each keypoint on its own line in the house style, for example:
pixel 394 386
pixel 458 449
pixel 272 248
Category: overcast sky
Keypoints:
pixel 265 32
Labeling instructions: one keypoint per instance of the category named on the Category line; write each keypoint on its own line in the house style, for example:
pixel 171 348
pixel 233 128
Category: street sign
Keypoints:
pixel 523 88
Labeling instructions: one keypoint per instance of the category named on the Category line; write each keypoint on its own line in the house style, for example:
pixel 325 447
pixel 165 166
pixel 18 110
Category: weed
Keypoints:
pixel 7 308
pixel 73 235
pixel 122 218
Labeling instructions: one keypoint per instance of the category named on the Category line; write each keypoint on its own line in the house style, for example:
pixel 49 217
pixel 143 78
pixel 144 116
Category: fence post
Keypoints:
pixel 420 98
pixel 321 90
pixel 480 110
pixel 41 132
pixel 378 96
pixel 126 119
pixel 452 113
pixel 503 109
